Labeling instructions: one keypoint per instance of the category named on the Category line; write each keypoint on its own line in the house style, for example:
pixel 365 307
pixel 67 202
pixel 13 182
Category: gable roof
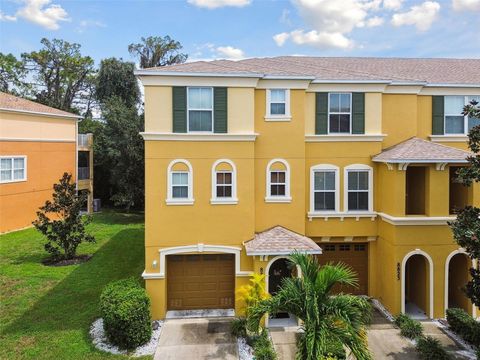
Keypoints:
pixel 399 70
pixel 10 102
pixel 280 241
pixel 415 150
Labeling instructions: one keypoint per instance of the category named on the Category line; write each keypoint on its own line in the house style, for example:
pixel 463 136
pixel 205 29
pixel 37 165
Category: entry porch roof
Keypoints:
pixel 280 241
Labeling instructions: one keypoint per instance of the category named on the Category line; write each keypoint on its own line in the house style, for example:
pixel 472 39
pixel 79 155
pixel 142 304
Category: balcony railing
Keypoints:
pixel 83 173
pixel 85 140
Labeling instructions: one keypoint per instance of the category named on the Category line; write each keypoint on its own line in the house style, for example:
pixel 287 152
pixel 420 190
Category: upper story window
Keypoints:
pixel 358 188
pixel 224 182
pixel 324 193
pixel 339 112
pixel 278 181
pixel 455 122
pixel 278 104
pixel 200 109
pixel 179 183
pixel 13 169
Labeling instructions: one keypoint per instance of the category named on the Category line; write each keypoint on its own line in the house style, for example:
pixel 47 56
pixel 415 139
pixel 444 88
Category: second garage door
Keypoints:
pixel 200 281
pixel 354 255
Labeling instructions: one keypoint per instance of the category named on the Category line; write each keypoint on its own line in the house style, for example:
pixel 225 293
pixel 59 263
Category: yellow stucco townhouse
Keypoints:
pixel 348 159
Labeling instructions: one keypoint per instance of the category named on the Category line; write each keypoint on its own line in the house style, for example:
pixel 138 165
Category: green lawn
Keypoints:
pixel 46 312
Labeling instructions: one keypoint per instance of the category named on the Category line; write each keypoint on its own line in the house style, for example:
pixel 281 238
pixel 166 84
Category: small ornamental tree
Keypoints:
pixel 466 228
pixel 60 220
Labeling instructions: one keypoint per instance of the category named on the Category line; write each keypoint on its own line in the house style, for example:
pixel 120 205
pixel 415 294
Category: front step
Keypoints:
pixel 201 313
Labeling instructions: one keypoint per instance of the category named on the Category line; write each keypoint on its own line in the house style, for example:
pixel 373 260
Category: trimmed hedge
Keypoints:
pixel 429 348
pixel 409 327
pixel 263 347
pixel 464 325
pixel 125 309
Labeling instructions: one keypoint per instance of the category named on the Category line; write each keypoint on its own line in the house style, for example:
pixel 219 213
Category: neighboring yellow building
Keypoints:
pixel 350 159
pixel 37 145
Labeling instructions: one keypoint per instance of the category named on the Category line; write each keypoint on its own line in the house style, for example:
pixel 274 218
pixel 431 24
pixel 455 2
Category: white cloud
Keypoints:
pixel 213 4
pixel 5 17
pixel 330 22
pixel 285 17
pixel 392 4
pixel 41 13
pixel 230 53
pixel 466 5
pixel 86 24
pixel 422 16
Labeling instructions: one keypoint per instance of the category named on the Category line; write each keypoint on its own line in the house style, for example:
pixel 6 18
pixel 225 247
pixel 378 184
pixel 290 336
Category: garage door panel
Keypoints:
pixel 200 281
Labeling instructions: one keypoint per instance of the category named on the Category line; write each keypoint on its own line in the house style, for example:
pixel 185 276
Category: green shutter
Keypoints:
pixel 321 113
pixel 437 115
pixel 220 110
pixel 179 96
pixel 358 113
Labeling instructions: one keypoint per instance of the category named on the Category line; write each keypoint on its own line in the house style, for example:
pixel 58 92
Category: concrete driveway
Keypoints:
pixel 207 338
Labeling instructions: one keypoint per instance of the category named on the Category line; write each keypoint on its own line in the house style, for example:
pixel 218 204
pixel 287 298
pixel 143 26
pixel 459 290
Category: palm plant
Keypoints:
pixel 327 319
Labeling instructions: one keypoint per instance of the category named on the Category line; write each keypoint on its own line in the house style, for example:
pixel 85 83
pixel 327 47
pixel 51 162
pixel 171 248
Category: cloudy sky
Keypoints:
pixel 235 29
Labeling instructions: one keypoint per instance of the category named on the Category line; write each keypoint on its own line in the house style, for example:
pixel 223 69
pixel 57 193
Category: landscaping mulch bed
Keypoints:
pixel 79 259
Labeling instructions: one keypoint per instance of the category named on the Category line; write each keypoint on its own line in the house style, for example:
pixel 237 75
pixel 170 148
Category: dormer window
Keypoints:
pixel 200 109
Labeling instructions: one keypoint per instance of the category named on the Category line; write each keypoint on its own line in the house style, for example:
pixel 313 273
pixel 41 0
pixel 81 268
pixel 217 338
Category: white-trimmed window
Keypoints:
pixel 200 109
pixel 455 122
pixel 224 182
pixel 358 188
pixel 13 169
pixel 324 192
pixel 278 104
pixel 339 113
pixel 278 181
pixel 179 183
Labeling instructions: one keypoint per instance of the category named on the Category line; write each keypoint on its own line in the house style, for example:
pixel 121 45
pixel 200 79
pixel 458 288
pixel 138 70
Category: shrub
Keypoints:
pixel 430 348
pixel 409 327
pixel 239 327
pixel 464 325
pixel 263 348
pixel 125 309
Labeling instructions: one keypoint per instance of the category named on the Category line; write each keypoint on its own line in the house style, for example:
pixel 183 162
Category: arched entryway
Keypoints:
pixel 456 277
pixel 417 285
pixel 278 269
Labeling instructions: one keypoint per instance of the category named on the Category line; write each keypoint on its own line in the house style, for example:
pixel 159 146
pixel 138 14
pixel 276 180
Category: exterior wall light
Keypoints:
pixel 154 264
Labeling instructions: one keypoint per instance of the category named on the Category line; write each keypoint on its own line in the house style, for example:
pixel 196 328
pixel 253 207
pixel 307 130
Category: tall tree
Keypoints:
pixel 60 72
pixel 466 228
pixel 157 51
pixel 12 74
pixel 116 78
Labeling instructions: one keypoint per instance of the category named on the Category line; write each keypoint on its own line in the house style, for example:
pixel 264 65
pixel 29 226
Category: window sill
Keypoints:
pixel 449 138
pixel 345 137
pixel 226 201
pixel 341 215
pixel 12 181
pixel 179 201
pixel 282 199
pixel 278 118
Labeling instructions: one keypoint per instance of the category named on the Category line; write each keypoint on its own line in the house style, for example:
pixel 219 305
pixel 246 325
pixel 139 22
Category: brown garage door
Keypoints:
pixel 200 281
pixel 354 255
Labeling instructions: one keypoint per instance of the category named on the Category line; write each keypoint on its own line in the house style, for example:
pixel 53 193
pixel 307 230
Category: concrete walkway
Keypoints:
pixel 284 342
pixel 197 339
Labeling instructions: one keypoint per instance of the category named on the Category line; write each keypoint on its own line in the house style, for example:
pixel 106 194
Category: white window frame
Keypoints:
pixel 177 201
pixel 269 198
pixel 233 200
pixel 339 113
pixel 465 117
pixel 275 117
pixel 195 109
pixel 11 157
pixel 358 167
pixel 323 168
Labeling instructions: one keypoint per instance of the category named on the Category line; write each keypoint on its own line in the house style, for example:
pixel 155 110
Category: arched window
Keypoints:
pixel 324 189
pixel 358 187
pixel 278 181
pixel 180 183
pixel 224 182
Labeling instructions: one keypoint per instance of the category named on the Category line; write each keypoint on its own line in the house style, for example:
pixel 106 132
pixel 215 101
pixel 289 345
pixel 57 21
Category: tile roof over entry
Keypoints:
pixel 431 71
pixel 280 241
pixel 15 103
pixel 417 150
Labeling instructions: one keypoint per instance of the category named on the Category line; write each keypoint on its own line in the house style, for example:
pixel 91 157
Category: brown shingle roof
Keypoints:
pixel 15 103
pixel 417 150
pixel 433 71
pixel 280 241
